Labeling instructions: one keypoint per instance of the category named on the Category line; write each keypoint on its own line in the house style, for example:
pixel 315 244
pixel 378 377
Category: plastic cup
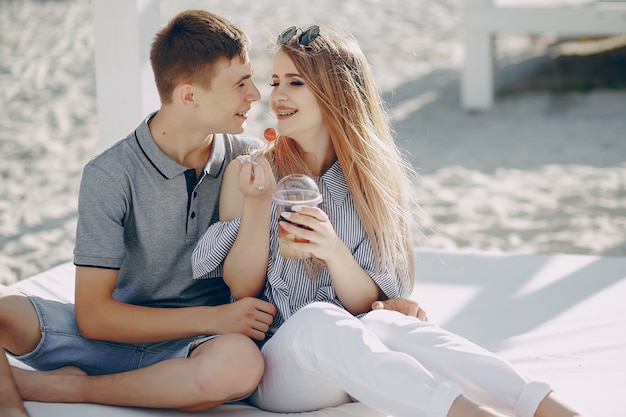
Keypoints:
pixel 294 190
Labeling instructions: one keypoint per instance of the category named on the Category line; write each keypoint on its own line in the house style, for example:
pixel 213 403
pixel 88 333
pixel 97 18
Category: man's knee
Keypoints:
pixel 231 364
pixel 19 324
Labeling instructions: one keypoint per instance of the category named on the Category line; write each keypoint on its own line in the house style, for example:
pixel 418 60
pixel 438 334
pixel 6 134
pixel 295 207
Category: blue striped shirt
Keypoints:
pixel 289 287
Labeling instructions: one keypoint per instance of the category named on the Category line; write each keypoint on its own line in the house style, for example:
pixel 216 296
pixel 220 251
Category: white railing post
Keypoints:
pixel 125 88
pixel 477 75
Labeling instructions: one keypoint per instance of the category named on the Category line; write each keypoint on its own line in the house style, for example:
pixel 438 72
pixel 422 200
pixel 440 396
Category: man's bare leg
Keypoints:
pixel 221 369
pixel 11 404
pixel 19 323
pixel 19 333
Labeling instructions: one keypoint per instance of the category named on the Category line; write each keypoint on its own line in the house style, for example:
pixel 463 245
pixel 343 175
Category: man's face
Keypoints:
pixel 223 108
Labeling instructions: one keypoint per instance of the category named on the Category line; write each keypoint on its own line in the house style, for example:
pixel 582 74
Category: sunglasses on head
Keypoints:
pixel 306 37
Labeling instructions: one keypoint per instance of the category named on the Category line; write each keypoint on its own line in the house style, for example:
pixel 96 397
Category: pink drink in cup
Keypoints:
pixel 294 190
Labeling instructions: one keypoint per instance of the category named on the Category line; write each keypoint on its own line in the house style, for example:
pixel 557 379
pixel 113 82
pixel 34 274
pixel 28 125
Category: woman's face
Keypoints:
pixel 296 109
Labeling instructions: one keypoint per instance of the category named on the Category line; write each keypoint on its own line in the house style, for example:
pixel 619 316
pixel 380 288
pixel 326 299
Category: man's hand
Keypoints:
pixel 249 316
pixel 402 305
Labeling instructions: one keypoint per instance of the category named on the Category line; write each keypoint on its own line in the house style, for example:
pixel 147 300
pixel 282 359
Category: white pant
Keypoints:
pixel 323 356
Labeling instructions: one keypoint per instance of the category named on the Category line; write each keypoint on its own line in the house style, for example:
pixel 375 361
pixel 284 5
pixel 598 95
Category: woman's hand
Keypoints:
pixel 313 231
pixel 256 178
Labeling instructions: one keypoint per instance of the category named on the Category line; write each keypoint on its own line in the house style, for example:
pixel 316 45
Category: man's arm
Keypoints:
pixel 11 404
pixel 99 316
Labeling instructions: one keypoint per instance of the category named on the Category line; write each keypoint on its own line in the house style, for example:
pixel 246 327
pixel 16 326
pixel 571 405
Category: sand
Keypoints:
pixel 543 171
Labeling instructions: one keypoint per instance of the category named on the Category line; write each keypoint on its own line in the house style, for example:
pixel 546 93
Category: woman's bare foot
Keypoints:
pixel 60 385
pixel 462 407
pixel 551 406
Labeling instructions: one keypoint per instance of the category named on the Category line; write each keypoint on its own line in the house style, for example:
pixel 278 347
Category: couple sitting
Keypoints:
pixel 177 200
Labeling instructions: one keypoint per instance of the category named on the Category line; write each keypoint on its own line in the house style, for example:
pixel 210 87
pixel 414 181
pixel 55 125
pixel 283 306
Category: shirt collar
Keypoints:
pixel 218 155
pixel 170 168
pixel 334 181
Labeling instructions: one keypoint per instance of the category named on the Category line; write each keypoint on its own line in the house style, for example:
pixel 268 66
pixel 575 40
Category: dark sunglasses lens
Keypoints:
pixel 287 35
pixel 309 35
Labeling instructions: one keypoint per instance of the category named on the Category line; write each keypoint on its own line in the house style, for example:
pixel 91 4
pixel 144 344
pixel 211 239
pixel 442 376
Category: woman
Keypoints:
pixel 325 346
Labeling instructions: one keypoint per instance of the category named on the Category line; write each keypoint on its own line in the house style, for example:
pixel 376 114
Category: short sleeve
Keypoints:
pixel 102 207
pixel 386 278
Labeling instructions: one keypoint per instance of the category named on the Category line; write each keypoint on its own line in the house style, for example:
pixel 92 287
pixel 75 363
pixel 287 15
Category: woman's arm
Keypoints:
pixel 354 287
pixel 245 266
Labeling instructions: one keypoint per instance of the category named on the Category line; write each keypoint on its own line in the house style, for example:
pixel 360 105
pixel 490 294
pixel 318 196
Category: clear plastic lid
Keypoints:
pixel 297 189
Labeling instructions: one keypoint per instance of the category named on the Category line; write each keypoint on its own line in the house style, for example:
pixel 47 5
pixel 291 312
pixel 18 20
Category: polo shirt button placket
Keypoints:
pixel 195 196
pixel 192 222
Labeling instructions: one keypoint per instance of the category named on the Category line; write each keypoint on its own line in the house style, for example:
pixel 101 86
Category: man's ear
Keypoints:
pixel 183 93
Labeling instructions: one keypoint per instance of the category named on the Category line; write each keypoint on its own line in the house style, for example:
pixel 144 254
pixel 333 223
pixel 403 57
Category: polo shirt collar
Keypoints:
pixel 170 168
pixel 215 163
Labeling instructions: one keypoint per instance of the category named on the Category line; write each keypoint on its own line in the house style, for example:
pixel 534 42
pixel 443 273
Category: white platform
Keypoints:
pixel 484 19
pixel 560 318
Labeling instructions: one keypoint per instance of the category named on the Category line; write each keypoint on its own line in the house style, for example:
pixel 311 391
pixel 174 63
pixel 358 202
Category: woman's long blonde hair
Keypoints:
pixel 379 180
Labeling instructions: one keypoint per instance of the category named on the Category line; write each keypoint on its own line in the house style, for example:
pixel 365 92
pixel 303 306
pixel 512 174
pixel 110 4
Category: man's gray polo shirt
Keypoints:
pixel 142 213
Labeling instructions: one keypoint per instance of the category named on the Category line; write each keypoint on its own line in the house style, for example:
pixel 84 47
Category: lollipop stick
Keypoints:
pixel 270 136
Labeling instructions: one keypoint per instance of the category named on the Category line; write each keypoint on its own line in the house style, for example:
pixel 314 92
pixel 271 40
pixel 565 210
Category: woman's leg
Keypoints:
pixel 323 355
pixel 484 377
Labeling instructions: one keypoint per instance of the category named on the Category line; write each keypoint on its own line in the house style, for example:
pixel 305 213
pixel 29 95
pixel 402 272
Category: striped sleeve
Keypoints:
pixel 386 279
pixel 212 248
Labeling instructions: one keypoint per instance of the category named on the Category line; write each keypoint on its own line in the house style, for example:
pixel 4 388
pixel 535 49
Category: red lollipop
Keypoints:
pixel 269 134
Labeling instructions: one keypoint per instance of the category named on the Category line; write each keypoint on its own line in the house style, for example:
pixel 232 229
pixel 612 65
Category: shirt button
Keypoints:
pixel 193 214
pixel 195 194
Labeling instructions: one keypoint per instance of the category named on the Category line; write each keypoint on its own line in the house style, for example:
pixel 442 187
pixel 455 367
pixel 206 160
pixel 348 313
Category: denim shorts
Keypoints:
pixel 62 345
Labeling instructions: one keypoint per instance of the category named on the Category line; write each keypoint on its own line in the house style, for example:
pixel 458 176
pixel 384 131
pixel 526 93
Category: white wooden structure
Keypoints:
pixel 125 87
pixel 124 30
pixel 486 18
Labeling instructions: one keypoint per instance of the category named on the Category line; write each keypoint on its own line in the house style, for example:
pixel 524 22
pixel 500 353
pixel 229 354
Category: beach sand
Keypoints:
pixel 543 171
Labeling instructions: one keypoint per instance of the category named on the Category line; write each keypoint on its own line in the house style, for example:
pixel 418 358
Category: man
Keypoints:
pixel 143 203
pixel 142 330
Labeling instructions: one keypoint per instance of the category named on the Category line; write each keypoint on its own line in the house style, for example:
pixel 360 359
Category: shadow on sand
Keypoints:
pixel 541 105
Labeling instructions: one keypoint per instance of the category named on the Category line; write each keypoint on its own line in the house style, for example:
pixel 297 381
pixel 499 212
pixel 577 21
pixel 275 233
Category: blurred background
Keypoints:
pixel 542 171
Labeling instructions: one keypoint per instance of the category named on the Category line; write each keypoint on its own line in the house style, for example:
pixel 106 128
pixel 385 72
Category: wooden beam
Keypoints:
pixel 484 20
pixel 125 87
pixel 561 21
